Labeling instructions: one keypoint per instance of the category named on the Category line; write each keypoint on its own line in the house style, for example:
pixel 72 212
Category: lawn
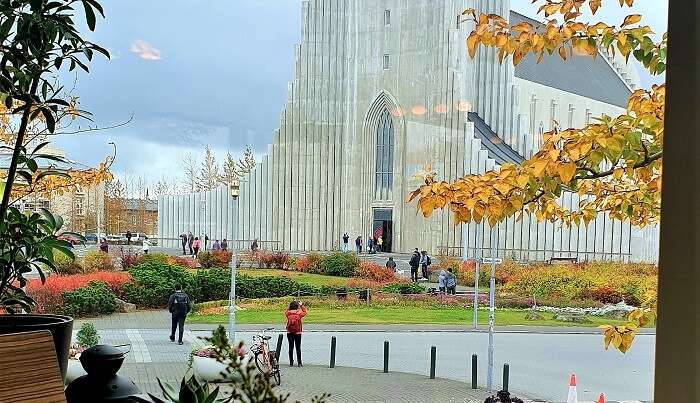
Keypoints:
pixel 305 278
pixel 394 315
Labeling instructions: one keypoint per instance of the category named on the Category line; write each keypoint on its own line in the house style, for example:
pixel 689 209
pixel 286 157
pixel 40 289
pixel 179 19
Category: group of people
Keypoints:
pixel 145 243
pixel 422 260
pixel 447 282
pixel 179 305
pixel 194 244
pixel 374 244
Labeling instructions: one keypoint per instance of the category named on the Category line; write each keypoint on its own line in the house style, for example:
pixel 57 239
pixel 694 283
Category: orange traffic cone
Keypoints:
pixel 601 398
pixel 573 396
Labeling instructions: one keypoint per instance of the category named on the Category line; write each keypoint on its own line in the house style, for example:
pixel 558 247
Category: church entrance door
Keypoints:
pixel 383 226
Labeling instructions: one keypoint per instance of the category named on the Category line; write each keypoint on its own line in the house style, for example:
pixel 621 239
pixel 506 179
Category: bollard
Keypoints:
pixel 473 371
pixel 386 357
pixel 279 346
pixel 333 342
pixel 432 362
pixel 506 376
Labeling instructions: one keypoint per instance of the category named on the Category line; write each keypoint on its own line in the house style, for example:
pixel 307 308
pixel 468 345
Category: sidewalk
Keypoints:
pixel 160 319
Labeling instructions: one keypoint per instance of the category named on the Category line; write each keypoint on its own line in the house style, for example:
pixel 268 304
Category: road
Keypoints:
pixel 540 364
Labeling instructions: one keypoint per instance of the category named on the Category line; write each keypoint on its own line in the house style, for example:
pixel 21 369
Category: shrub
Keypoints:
pixel 128 258
pixel 375 272
pixel 158 258
pixel 49 298
pixel 154 282
pixel 87 335
pixel 95 261
pixel 93 300
pixel 214 259
pixel 272 287
pixel 311 263
pixel 340 264
pixel 213 284
pixel 403 288
pixel 65 265
pixel 274 260
pixel 183 261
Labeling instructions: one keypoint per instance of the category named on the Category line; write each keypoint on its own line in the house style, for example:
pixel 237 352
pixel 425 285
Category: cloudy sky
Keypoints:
pixel 195 72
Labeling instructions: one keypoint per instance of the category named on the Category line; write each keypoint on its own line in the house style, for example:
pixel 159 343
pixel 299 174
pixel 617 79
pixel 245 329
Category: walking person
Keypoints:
pixel 424 263
pixel 183 239
pixel 414 263
pixel 216 246
pixel 370 245
pixel 179 306
pixel 196 245
pixel 358 244
pixel 190 242
pixel 224 245
pixel 346 239
pixel 442 281
pixel 451 282
pixel 128 238
pixel 294 314
pixel 380 242
pixel 145 246
pixel 254 245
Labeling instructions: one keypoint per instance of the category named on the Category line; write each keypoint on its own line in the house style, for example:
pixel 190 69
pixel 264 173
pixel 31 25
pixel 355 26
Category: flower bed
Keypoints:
pixel 49 296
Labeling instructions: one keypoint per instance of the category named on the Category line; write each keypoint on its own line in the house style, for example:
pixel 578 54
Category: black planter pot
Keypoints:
pixel 61 328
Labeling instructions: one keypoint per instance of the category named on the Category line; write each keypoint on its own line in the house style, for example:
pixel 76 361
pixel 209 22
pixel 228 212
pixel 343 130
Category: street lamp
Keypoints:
pixel 234 263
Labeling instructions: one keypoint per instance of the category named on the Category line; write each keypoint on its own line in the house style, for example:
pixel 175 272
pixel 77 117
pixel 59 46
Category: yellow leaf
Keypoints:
pixel 522 181
pixel 554 154
pixel 562 52
pixel 567 172
pixel 538 167
pixel 631 19
pixel 471 44
pixel 617 173
pixel 504 188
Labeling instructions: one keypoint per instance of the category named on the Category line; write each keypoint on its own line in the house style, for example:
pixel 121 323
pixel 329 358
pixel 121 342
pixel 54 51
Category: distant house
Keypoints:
pixel 142 216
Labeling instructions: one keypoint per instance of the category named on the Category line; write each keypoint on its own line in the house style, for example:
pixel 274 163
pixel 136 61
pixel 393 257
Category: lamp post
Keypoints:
pixel 234 263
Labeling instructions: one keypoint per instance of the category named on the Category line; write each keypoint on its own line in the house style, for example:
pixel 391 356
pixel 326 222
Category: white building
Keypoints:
pixel 383 87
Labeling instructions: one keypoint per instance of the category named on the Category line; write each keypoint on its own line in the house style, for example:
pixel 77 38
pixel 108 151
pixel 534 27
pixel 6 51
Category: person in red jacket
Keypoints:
pixel 294 315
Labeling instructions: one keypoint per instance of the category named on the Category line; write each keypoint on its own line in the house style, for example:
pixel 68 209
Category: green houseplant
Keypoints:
pixel 37 37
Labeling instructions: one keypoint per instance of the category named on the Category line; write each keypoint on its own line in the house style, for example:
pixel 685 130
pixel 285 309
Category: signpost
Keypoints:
pixel 492 308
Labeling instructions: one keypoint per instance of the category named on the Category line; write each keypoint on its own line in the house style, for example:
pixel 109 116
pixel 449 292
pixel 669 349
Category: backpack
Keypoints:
pixel 181 304
pixel 429 262
pixel 294 323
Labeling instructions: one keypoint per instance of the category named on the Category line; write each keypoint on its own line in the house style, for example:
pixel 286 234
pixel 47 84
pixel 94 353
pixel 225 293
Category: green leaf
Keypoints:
pixel 27 176
pixel 7 26
pixel 50 120
pixel 89 15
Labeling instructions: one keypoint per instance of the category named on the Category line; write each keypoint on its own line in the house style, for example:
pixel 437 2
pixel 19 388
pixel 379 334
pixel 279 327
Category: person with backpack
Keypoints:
pixel 424 263
pixel 346 239
pixel 294 314
pixel 391 264
pixel 195 245
pixel 190 242
pixel 414 263
pixel 179 306
pixel 183 239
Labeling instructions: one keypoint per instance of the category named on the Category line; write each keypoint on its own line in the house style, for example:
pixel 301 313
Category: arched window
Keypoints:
pixel 384 169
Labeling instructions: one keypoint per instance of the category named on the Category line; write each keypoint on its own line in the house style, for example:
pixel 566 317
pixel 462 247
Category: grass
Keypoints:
pixel 396 315
pixel 317 280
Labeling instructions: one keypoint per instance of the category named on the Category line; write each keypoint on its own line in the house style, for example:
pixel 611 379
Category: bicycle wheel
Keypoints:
pixel 260 363
pixel 275 368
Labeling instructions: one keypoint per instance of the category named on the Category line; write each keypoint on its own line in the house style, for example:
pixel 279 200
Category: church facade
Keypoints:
pixel 383 88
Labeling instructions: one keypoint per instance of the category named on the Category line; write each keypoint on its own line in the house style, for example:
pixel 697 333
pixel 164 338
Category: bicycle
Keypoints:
pixel 266 360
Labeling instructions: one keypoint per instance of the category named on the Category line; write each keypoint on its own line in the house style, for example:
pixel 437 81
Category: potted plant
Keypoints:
pixel 206 365
pixel 38 38
pixel 85 338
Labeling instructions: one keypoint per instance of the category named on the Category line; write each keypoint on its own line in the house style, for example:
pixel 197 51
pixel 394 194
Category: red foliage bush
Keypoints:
pixel 217 258
pixel 273 260
pixel 48 296
pixel 375 272
pixel 605 294
pixel 183 261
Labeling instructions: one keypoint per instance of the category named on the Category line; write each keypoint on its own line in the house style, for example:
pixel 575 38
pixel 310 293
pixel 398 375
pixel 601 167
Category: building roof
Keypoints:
pixel 135 204
pixel 497 149
pixel 581 75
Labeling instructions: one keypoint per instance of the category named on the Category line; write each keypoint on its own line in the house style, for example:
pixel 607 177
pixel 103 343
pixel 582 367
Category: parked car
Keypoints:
pixel 69 238
pixel 114 239
pixel 91 238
